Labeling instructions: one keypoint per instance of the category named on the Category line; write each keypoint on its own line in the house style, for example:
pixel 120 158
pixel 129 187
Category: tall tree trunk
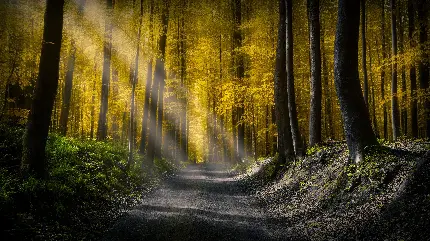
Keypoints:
pixel 67 91
pixel 403 108
pixel 294 122
pixel 423 64
pixel 148 87
pixel 184 115
pixel 239 66
pixel 363 59
pixel 384 56
pixel 36 134
pixel 358 130
pixel 107 52
pixel 134 79
pixel 328 98
pixel 412 70
pixel 315 57
pixel 394 98
pixel 160 75
pixel 285 141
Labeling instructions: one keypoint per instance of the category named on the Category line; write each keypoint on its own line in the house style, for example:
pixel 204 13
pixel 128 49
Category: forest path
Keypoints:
pixel 199 203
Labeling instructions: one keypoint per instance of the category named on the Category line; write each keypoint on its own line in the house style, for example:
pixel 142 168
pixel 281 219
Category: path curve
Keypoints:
pixel 199 203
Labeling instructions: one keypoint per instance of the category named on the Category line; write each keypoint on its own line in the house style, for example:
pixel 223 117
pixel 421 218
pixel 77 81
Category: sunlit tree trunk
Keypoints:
pixel 46 89
pixel 294 122
pixel 184 87
pixel 159 78
pixel 423 64
pixel 315 58
pixel 107 52
pixel 412 70
pixel 363 58
pixel 134 79
pixel 148 86
pixel 67 91
pixel 384 57
pixel 357 127
pixel 394 98
pixel 285 141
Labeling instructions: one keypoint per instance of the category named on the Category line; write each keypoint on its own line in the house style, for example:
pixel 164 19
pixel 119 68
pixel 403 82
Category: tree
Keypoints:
pixel 394 100
pixel 316 89
pixel 148 87
pixel 357 127
pixel 363 58
pixel 46 88
pixel 294 122
pixel 423 64
pixel 384 56
pixel 107 52
pixel 285 141
pixel 134 78
pixel 159 76
pixel 412 70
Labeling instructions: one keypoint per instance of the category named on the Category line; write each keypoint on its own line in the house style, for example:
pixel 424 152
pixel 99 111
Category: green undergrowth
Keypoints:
pixel 324 196
pixel 88 186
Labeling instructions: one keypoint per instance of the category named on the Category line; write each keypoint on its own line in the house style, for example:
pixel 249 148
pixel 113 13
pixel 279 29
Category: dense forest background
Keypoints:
pixel 322 106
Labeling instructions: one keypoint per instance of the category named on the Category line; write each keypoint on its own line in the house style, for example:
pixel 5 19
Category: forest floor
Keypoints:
pixel 201 202
pixel 319 197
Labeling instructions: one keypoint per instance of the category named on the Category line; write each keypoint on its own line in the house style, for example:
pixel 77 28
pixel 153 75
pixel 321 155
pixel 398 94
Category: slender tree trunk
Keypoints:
pixel 315 57
pixel 148 87
pixel 423 64
pixel 412 70
pixel 294 122
pixel 394 98
pixel 184 115
pixel 403 108
pixel 36 134
pixel 107 51
pixel 384 57
pixel 134 79
pixel 363 59
pixel 285 141
pixel 67 91
pixel 358 130
pixel 328 104
pixel 160 75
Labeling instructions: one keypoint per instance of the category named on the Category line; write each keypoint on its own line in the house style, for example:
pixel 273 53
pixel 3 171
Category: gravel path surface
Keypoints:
pixel 199 203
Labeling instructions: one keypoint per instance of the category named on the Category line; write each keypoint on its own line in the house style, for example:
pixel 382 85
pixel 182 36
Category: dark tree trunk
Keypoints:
pixel 384 56
pixel 285 141
pixel 46 89
pixel 134 78
pixel 358 130
pixel 148 87
pixel 160 75
pixel 238 38
pixel 363 58
pixel 67 91
pixel 412 70
pixel 107 52
pixel 294 122
pixel 328 98
pixel 423 64
pixel 394 98
pixel 403 108
pixel 184 115
pixel 315 57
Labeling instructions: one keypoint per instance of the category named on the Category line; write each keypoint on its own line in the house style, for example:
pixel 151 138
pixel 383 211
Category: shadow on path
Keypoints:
pixel 200 203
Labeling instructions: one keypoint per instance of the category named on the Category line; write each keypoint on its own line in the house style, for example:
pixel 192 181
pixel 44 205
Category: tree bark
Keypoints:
pixel 384 56
pixel 357 127
pixel 403 108
pixel 148 87
pixel 294 122
pixel 423 64
pixel 394 98
pixel 412 71
pixel 46 89
pixel 67 91
pixel 285 141
pixel 159 78
pixel 107 52
pixel 363 58
pixel 315 57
